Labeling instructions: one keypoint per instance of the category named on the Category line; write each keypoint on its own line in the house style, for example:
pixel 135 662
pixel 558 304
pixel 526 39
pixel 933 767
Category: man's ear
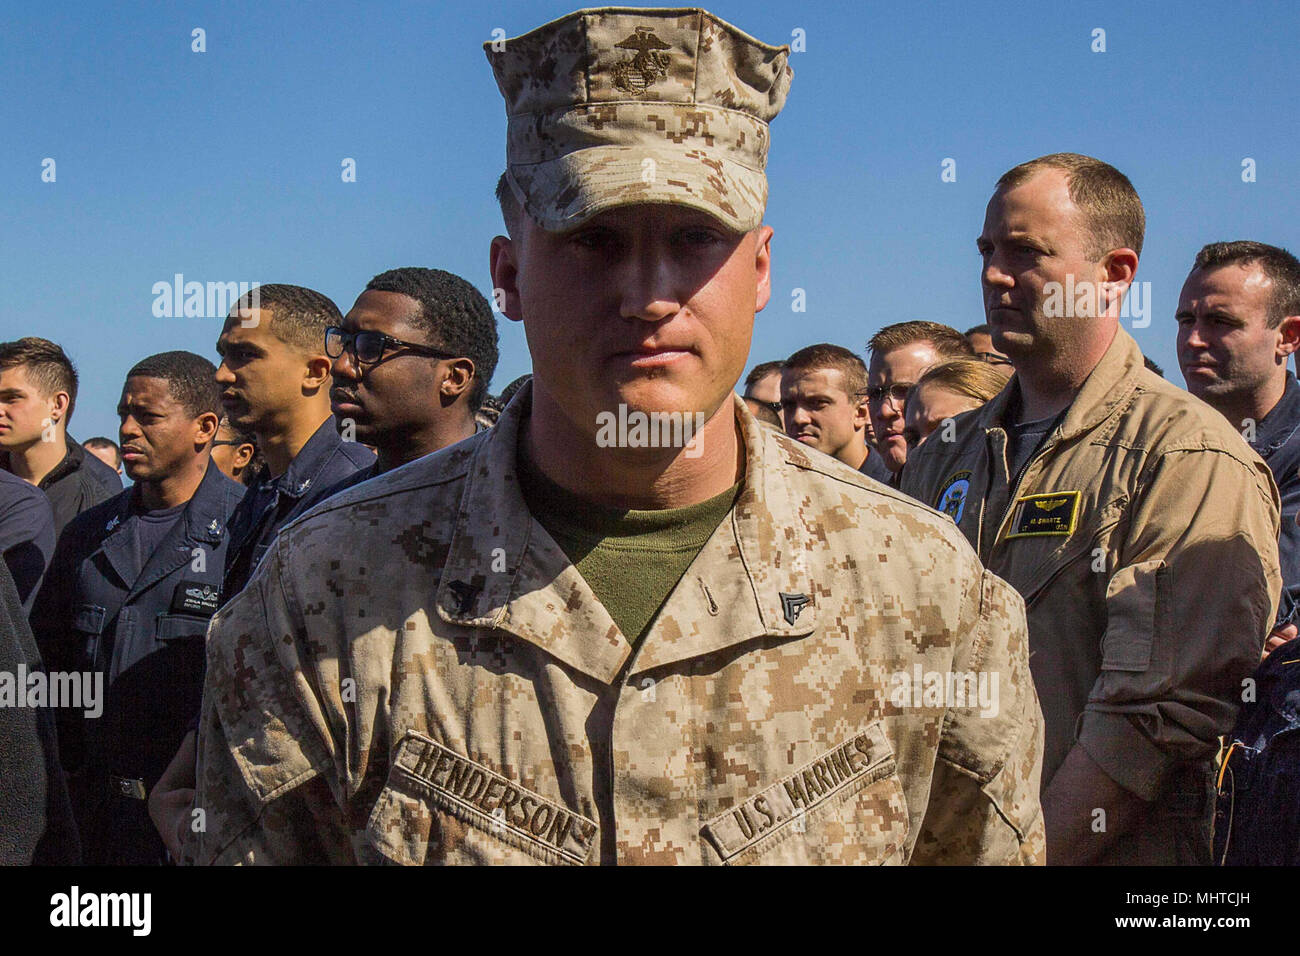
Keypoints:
pixel 59 403
pixel 316 374
pixel 861 416
pixel 205 428
pixel 1288 336
pixel 763 268
pixel 1118 268
pixel 504 265
pixel 456 380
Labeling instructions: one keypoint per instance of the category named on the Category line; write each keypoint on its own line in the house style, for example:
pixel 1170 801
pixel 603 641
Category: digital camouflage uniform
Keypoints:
pixel 447 689
pixel 1143 537
pixel 418 674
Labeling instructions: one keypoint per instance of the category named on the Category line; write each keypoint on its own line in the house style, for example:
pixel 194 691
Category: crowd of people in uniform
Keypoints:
pixel 1000 596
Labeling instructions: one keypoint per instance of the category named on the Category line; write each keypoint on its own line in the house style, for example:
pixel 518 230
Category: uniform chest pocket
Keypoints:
pixel 89 618
pixel 88 623
pixel 175 627
pixel 440 807
pixel 845 807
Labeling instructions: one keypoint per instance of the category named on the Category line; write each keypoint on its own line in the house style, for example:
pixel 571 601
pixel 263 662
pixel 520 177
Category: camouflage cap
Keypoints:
pixel 620 106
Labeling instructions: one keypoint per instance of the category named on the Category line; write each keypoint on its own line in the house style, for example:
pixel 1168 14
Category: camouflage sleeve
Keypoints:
pixel 1188 609
pixel 984 806
pixel 265 789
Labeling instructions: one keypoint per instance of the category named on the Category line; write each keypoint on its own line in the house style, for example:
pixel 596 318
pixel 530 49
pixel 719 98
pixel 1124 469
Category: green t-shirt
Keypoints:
pixel 631 560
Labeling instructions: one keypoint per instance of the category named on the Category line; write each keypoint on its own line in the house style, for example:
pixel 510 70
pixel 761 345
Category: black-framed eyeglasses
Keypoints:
pixel 229 441
pixel 368 346
pixel 992 358
pixel 896 393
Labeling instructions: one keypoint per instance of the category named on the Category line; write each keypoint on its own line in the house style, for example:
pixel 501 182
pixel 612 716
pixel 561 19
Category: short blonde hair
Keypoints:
pixel 972 379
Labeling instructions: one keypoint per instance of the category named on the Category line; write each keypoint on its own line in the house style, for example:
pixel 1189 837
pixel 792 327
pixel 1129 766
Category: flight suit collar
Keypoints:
pixel 1281 423
pixel 504 571
pixel 1108 386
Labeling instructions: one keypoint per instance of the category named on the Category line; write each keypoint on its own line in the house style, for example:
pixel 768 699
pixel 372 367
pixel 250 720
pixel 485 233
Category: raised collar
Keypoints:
pixel 1282 421
pixel 304 471
pixel 70 462
pixel 1108 386
pixel 201 522
pixel 504 571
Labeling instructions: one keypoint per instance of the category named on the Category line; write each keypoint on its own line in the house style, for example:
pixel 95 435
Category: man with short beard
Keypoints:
pixel 130 592
pixel 538 646
pixel 1238 324
pixel 1138 526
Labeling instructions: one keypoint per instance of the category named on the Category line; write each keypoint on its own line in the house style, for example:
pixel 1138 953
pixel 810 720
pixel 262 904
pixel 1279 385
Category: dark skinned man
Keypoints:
pixel 133 584
pixel 413 359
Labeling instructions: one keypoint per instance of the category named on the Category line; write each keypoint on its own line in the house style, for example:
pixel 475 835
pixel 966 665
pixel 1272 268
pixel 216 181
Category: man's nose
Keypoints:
pixel 224 375
pixel 1194 339
pixel 647 281
pixel 995 275
pixel 345 368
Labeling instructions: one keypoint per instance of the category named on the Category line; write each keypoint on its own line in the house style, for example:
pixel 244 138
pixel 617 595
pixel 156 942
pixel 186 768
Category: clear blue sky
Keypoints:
pixel 225 165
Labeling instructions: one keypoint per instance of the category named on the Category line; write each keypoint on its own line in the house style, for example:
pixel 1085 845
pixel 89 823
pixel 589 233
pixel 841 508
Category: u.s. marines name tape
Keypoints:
pixel 495 801
pixel 862 759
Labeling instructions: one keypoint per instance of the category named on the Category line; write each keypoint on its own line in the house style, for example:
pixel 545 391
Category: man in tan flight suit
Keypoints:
pixel 628 624
pixel 1139 527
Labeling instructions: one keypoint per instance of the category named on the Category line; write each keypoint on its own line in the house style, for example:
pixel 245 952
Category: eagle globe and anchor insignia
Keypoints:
pixel 647 66
pixel 952 500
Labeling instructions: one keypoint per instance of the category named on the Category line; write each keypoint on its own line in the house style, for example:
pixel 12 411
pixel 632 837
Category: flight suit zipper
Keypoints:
pixel 1048 443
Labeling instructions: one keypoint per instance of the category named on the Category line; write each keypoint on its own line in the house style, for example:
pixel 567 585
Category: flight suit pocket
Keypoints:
pixel 845 807
pixel 1133 614
pixel 440 807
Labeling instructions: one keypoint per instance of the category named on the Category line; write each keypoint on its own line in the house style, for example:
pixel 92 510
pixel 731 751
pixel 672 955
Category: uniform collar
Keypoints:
pixel 1282 421
pixel 213 501
pixel 1108 386
pixel 504 571
pixel 70 462
pixel 304 471
pixel 201 523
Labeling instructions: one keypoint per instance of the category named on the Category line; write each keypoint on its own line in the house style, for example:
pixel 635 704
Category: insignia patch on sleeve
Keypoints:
pixel 1039 515
pixel 952 500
